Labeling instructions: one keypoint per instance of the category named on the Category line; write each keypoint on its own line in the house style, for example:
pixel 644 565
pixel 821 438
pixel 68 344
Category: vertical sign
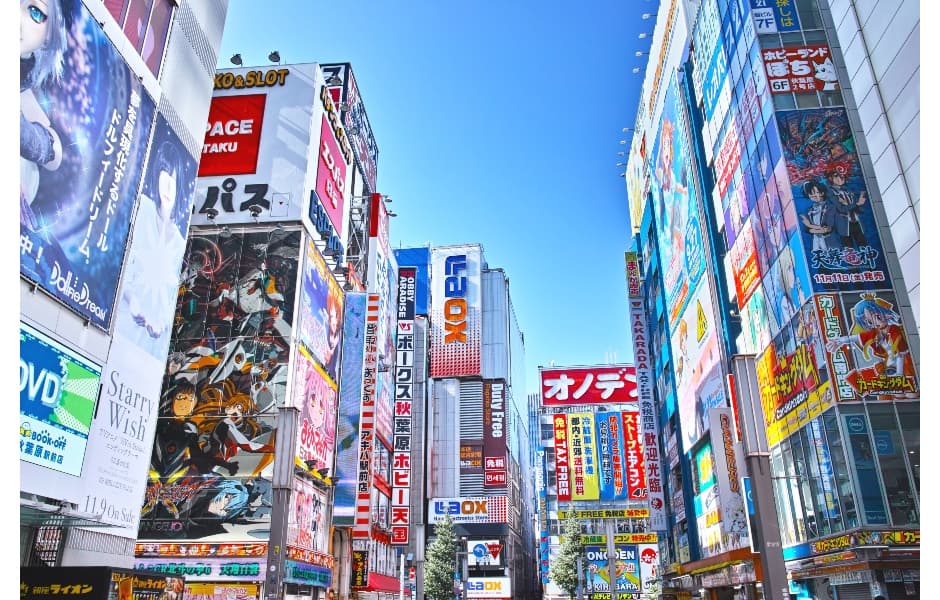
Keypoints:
pixel 583 456
pixel 404 402
pixel 610 445
pixel 633 450
pixel 455 311
pixel 562 461
pixel 362 519
pixel 648 416
pixel 494 434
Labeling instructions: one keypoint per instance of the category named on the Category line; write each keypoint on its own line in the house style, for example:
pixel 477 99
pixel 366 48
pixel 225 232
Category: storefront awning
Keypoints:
pixel 381 583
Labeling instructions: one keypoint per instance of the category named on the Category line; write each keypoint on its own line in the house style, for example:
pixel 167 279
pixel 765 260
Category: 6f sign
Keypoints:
pixel 455 305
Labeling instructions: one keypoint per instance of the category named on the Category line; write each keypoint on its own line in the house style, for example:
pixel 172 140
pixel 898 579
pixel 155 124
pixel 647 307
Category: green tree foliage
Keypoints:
pixel 564 569
pixel 440 562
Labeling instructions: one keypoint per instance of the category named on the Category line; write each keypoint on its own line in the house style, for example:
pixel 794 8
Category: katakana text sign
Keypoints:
pixel 607 384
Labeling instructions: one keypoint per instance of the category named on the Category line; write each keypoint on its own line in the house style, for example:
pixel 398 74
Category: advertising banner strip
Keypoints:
pixel 404 399
pixel 469 509
pixel 362 524
pixel 584 465
pixel 635 457
pixel 562 457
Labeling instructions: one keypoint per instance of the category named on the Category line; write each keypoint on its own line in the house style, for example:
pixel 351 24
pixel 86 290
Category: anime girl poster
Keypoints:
pixel 321 311
pixel 315 395
pixel 85 121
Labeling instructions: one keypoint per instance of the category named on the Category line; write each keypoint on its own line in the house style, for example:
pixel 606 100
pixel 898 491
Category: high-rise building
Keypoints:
pixel 113 103
pixel 775 246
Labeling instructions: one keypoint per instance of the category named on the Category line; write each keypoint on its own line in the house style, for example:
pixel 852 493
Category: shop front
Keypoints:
pixel 97 583
pixel 211 571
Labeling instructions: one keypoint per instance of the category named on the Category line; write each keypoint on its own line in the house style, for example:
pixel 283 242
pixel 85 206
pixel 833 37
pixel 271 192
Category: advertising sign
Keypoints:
pixel 800 69
pixel 259 140
pixel 355 120
pixel 456 315
pixel 584 463
pixel 729 466
pixel 676 207
pixel 331 176
pixel 744 265
pixel 489 587
pixel 634 457
pixel 602 384
pixel 404 402
pixel 841 238
pixel 206 569
pixel 868 353
pixel 626 570
pixel 699 383
pixel 347 422
pixel 366 435
pixel 774 16
pixel 307 525
pixel 707 502
pixel 469 509
pixel 471 457
pixel 146 25
pixel 610 445
pixel 83 135
pixel 315 395
pixel 95 583
pixel 321 311
pixel 420 259
pixel 58 391
pixel 562 459
pixel 494 434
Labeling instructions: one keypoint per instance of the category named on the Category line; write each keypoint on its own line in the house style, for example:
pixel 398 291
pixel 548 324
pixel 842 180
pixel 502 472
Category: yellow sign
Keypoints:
pixel 622 538
pixel 618 513
pixel 702 327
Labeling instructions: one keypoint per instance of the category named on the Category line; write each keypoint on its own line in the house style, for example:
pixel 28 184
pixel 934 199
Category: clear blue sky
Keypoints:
pixel 497 123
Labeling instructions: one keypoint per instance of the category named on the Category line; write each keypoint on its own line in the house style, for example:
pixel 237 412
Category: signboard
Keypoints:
pixel 469 509
pixel 260 135
pixel 489 587
pixel 456 314
pixel 610 445
pixel 355 120
pixel 83 138
pixel 800 69
pixel 362 519
pixel 347 422
pixel 494 434
pixel 206 569
pixel 315 395
pixel 58 392
pixel 637 488
pixel 484 553
pixel 729 466
pixel 404 403
pixel 321 311
pixel 774 16
pixel 584 464
pixel 602 384
pixel 307 527
pixel 562 459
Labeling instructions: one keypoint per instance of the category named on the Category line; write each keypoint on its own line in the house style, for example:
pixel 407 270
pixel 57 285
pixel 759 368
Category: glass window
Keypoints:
pixel 815 482
pixel 817 36
pixel 783 101
pixel 859 445
pixel 840 469
pixel 785 518
pixel 801 470
pixel 832 98
pixel 809 14
pixel 793 38
pixel 769 41
pixel 827 478
pixel 889 448
pixel 909 417
pixel 807 100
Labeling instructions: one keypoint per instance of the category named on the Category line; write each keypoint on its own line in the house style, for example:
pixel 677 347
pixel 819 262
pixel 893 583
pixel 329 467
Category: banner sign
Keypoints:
pixel 774 16
pixel 347 422
pixel 602 384
pixel 362 518
pixel 800 69
pixel 494 434
pixel 562 459
pixel 611 444
pixel 469 509
pixel 633 451
pixel 83 138
pixel 584 463
pixel 206 569
pixel 608 513
pixel 321 311
pixel 456 313
pixel 404 404
pixel 58 392
pixel 167 550
pixel 315 395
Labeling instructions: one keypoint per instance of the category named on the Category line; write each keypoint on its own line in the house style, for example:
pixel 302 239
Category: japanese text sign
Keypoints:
pixel 605 384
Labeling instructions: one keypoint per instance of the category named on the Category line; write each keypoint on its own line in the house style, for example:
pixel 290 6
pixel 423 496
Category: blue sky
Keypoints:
pixel 496 123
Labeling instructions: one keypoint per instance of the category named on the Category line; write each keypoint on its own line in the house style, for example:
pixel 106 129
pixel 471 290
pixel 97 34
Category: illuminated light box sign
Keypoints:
pixel 205 550
pixel 205 569
pixel 488 587
pixel 475 509
pixel 297 572
pixel 58 391
pixel 588 385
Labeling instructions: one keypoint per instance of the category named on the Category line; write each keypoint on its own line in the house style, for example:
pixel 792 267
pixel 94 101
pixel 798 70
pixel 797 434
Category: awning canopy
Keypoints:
pixel 378 582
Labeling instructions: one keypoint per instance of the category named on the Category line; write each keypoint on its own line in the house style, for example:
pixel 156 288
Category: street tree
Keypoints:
pixel 440 561
pixel 564 569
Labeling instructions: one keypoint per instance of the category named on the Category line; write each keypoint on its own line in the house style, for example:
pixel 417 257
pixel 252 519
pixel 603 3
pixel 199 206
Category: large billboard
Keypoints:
pixel 456 312
pixel 805 68
pixel 843 246
pixel 260 135
pixel 610 446
pixel 729 468
pixel 355 120
pixel 58 392
pixel 347 422
pixel 85 122
pixel 676 207
pixel 314 394
pixel 562 458
pixel 469 509
pixel 307 525
pixel 494 434
pixel 602 384
pixel 320 319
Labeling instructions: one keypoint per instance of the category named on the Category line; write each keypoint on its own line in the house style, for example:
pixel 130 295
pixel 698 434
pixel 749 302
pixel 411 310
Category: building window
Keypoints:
pixel 889 448
pixel 146 23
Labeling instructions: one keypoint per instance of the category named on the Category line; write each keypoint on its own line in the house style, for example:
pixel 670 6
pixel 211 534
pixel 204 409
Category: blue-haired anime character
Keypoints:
pixel 878 333
pixel 43 42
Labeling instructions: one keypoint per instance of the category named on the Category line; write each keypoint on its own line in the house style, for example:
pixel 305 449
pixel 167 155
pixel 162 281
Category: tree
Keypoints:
pixel 564 569
pixel 440 562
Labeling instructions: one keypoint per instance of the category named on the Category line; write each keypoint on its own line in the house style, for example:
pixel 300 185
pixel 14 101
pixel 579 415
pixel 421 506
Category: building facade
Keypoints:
pixel 751 158
pixel 114 98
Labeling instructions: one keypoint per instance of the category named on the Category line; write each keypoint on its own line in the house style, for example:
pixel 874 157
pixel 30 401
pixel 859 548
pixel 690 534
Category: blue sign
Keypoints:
pixel 775 16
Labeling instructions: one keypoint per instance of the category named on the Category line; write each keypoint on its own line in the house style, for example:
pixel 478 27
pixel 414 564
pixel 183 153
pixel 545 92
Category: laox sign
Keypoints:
pixel 455 307
pixel 467 507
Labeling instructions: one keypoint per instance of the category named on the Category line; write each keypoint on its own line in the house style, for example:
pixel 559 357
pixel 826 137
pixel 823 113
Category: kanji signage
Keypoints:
pixel 800 69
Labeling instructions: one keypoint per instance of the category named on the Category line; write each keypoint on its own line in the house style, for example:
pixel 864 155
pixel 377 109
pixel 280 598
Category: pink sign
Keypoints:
pixel 331 176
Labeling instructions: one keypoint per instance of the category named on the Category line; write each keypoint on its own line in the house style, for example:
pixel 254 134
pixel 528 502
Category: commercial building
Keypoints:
pixel 475 459
pixel 765 228
pixel 113 106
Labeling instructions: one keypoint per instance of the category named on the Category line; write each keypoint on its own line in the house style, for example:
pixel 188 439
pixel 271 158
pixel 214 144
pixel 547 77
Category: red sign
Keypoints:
pixel 494 549
pixel 562 470
pixel 633 274
pixel 800 69
pixel 727 158
pixel 331 175
pixel 610 384
pixel 637 488
pixel 744 265
pixel 233 135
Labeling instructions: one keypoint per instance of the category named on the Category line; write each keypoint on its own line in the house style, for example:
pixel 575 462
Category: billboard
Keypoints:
pixel 610 445
pixel 404 403
pixel 347 421
pixel 487 552
pixel 320 321
pixel 456 313
pixel 152 272
pixel 146 25
pixel 729 468
pixel 626 571
pixel 259 137
pixel 697 366
pixel 420 259
pixel 494 434
pixel 635 458
pixel 307 524
pixel 745 267
pixel 315 395
pixel 562 459
pixel 585 484
pixel 469 509
pixel 602 384
pixel 676 207
pixel 85 122
pixel 800 69
pixel 867 348
pixel 58 392
pixel 355 120
pixel 366 441
pixel 838 227
pixel 771 16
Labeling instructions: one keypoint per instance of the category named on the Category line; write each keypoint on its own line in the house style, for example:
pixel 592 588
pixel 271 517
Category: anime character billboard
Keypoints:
pixel 321 311
pixel 315 395
pixel 85 120
pixel 867 346
pixel 307 527
pixel 842 243
pixel 210 475
pixel 675 202
pixel 347 422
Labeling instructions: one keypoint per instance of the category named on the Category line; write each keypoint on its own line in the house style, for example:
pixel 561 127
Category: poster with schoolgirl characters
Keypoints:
pixel 832 201
pixel 869 353
pixel 320 325
pixel 85 121
pixel 315 395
